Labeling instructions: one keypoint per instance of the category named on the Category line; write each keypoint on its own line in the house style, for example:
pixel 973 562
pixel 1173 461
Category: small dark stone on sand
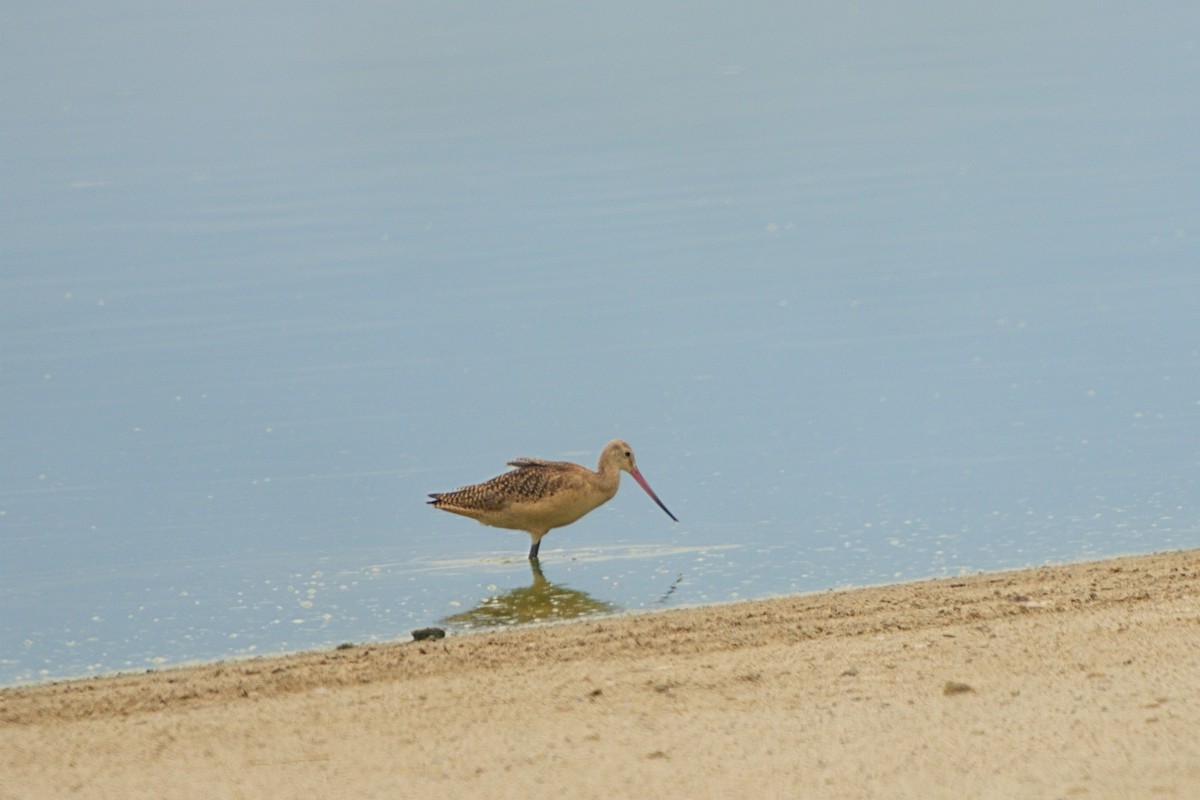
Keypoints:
pixel 421 634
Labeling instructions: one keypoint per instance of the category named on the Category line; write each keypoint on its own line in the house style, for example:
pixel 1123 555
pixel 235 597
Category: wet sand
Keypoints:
pixel 1076 681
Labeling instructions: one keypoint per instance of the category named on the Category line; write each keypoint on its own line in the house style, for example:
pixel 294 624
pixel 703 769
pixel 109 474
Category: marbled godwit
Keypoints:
pixel 539 496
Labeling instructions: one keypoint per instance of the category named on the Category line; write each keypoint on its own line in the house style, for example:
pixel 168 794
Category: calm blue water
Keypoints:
pixel 876 294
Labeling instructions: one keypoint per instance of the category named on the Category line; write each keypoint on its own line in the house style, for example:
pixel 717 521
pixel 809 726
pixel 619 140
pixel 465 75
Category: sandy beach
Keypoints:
pixel 1078 681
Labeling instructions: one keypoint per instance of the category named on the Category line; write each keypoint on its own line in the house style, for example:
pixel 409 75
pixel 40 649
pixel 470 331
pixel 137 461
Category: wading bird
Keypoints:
pixel 539 496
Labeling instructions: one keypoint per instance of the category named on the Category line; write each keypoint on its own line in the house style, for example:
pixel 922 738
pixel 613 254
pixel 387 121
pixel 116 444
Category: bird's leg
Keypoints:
pixel 533 549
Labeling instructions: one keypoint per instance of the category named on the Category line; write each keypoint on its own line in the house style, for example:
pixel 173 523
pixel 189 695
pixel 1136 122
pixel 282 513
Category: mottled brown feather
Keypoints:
pixel 533 479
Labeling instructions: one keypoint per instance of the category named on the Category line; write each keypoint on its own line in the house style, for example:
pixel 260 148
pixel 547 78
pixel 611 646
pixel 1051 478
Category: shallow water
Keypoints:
pixel 875 294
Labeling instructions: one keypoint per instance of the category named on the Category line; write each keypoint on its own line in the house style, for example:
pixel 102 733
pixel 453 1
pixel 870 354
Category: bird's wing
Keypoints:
pixel 533 478
pixel 534 462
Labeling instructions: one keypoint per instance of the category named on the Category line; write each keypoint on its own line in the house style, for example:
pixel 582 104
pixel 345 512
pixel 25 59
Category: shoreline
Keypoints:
pixel 463 634
pixel 1079 679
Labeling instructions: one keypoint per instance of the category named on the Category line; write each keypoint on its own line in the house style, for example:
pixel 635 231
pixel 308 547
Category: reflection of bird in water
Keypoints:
pixel 542 601
pixel 539 495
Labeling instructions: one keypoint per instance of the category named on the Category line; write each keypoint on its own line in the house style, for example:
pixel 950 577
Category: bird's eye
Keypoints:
pixel 628 454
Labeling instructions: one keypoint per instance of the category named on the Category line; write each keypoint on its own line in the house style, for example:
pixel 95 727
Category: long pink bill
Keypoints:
pixel 637 476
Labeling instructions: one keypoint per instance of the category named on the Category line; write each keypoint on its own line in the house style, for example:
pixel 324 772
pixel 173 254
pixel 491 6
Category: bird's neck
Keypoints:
pixel 608 476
